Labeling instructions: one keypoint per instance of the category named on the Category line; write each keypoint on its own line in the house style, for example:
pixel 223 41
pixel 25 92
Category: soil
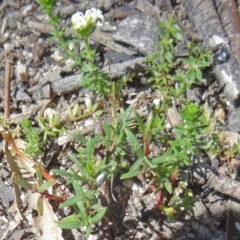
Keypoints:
pixel 42 80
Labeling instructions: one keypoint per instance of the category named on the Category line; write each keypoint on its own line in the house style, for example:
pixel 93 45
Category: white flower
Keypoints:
pixel 79 21
pixel 94 14
pixel 91 17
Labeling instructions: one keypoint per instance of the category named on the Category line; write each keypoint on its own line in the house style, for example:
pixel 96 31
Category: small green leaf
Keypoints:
pixel 79 137
pixel 198 74
pixel 168 186
pixel 107 129
pixel 19 180
pixel 135 144
pixel 70 202
pixel 140 122
pixel 173 200
pixel 70 222
pixel 134 170
pixel 169 211
pixel 78 188
pixel 191 74
pixel 14 168
pixel 45 186
pixel 39 174
pixel 98 216
pixel 61 172
pixel 75 110
pixel 164 158
pixel 40 205
pixel 125 116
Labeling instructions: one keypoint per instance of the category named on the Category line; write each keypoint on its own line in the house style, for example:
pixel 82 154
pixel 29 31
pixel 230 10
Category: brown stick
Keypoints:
pixel 7 88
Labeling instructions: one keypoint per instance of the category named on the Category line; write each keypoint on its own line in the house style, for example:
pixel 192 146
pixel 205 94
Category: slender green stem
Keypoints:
pixel 60 35
pixel 89 56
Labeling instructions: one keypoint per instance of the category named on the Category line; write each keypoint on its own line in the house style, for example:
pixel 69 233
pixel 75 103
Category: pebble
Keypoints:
pixel 32 38
pixel 12 23
pixel 128 183
pixel 92 237
pixel 117 189
pixel 89 122
pixel 8 46
pixel 21 72
pixel 39 51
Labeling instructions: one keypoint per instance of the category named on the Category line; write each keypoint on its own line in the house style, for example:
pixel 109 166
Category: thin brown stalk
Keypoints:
pixel 7 88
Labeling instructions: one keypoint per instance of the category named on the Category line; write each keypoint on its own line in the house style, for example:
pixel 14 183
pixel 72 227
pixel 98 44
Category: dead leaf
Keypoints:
pixel 46 223
pixel 28 165
pixel 220 114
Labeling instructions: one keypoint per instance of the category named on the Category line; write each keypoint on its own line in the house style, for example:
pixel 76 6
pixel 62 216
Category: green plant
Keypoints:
pixel 172 76
pixel 105 153
pixel 101 155
pixel 235 150
pixel 84 24
pixel 172 82
pixel 198 60
pixel 162 62
pixel 51 125
pixel 37 186
pixel 75 114
pixel 86 215
pixel 189 141
pixel 34 143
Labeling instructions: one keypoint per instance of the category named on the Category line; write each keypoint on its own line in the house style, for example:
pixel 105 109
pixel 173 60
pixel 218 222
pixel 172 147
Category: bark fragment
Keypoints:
pixel 231 22
pixel 204 17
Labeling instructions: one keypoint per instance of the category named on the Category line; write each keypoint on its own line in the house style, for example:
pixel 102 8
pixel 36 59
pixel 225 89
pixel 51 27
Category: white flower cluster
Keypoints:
pixel 91 17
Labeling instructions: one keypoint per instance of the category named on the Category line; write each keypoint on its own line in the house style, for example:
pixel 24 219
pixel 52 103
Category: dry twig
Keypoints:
pixel 7 88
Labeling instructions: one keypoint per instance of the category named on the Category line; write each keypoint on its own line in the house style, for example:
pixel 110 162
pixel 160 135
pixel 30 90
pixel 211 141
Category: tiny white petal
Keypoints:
pixel 157 101
pixel 50 113
pixel 77 17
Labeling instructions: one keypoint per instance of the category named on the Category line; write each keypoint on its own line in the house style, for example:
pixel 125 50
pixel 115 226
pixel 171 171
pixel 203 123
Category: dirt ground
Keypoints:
pixel 128 35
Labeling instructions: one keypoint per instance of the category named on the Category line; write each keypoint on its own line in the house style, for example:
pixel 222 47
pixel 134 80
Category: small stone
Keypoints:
pixel 39 51
pixel 117 189
pixel 92 237
pixel 57 56
pixel 32 38
pixel 64 139
pixel 128 183
pixel 12 23
pixel 42 93
pixel 100 179
pixel 8 46
pixel 89 122
pixel 21 72
pixel 21 95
